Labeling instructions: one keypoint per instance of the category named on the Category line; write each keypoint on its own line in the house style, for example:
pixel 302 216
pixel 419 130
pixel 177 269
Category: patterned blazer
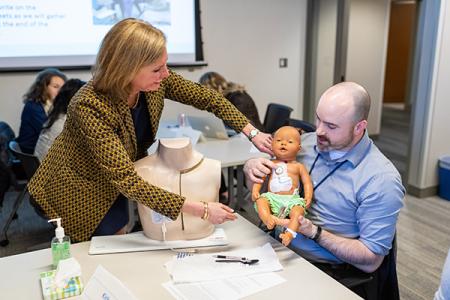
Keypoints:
pixel 91 161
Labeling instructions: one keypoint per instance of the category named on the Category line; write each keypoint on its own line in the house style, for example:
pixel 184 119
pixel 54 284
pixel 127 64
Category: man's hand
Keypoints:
pixel 306 227
pixel 263 142
pixel 257 168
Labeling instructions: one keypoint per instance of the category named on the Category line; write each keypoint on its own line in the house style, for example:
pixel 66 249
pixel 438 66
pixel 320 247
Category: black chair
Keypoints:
pixel 276 116
pixel 382 284
pixel 300 124
pixel 30 164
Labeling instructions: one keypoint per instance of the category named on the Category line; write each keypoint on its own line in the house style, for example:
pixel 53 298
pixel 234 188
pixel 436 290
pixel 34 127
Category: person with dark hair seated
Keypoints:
pixel 38 104
pixel 235 93
pixel 57 117
pixel 6 135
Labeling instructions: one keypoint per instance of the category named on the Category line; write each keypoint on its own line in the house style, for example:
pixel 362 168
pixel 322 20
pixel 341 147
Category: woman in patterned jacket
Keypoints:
pixel 88 174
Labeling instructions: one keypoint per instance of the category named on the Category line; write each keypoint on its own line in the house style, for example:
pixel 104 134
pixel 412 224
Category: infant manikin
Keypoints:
pixel 282 198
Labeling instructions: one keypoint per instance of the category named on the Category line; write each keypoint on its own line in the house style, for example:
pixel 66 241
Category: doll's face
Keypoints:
pixel 286 143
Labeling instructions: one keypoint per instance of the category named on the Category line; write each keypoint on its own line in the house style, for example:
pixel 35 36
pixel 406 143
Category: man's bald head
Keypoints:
pixel 350 95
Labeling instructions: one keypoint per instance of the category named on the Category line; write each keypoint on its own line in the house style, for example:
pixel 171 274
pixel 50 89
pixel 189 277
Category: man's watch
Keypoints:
pixel 253 133
pixel 316 237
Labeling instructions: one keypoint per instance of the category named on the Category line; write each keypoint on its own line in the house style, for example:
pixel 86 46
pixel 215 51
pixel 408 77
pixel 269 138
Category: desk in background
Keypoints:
pixel 143 272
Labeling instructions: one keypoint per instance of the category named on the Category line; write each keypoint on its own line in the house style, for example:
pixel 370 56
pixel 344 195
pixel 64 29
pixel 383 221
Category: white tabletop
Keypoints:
pixel 234 151
pixel 143 272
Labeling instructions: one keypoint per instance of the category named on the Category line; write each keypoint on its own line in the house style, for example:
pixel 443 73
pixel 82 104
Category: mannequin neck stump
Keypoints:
pixel 177 153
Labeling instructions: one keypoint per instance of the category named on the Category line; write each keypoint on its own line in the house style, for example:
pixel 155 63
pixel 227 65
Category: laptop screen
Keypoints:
pixel 210 126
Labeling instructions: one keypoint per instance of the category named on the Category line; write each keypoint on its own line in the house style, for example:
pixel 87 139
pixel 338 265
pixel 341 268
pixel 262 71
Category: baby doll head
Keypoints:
pixel 286 143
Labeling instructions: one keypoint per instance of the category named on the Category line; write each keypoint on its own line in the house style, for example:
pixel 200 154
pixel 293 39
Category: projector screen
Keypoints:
pixel 67 33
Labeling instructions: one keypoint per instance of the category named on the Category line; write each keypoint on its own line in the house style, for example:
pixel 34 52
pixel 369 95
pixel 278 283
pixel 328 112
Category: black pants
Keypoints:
pixel 379 285
pixel 5 180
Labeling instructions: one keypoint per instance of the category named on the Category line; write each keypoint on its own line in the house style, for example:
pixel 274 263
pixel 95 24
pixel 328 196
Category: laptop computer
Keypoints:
pixel 209 125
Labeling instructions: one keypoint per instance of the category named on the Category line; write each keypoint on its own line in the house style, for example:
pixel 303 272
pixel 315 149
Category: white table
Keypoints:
pixel 232 153
pixel 143 272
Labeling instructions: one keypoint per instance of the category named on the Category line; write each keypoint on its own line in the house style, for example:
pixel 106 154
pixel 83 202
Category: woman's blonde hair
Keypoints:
pixel 127 47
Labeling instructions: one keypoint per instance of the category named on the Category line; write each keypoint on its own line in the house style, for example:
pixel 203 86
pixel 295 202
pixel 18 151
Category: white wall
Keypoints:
pixel 243 41
pixel 430 137
pixel 366 51
pixel 326 47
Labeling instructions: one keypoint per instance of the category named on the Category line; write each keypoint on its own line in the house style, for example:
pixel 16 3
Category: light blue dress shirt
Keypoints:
pixel 361 199
pixel 443 293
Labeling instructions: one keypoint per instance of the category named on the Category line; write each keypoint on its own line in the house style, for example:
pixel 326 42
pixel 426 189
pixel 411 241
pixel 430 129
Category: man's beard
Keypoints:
pixel 326 145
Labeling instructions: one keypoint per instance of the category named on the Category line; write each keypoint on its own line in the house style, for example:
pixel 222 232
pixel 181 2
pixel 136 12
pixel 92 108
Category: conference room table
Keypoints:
pixel 143 273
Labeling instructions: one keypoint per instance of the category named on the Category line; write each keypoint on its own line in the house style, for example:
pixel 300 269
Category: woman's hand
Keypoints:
pixel 220 213
pixel 263 142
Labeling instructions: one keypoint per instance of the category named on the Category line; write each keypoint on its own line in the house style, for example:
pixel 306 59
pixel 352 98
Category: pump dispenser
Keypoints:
pixel 60 243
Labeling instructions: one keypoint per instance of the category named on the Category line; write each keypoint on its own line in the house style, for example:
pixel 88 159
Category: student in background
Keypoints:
pixel 237 95
pixel 38 103
pixel 57 117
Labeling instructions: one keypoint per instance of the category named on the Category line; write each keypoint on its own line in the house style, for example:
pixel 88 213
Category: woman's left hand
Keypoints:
pixel 263 142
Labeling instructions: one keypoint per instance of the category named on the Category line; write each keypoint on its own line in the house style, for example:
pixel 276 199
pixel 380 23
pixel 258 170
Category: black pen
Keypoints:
pixel 229 257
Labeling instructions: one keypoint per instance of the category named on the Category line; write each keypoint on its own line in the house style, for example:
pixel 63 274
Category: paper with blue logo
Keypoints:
pixel 105 286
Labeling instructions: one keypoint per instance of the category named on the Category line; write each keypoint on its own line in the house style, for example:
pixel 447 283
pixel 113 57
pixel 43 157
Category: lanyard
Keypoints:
pixel 328 175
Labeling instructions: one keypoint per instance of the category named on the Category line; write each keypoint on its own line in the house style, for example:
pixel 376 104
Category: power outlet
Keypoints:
pixel 283 62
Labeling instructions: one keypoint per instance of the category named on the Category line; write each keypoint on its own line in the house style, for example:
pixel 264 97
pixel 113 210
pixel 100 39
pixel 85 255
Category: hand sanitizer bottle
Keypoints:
pixel 60 244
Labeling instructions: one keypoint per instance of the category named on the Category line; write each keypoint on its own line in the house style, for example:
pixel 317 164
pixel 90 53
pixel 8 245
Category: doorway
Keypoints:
pixel 394 136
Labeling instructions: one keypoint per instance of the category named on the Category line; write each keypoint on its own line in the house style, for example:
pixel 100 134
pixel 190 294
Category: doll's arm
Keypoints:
pixel 256 190
pixel 307 184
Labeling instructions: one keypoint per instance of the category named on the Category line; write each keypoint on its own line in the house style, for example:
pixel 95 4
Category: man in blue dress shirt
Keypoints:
pixel 358 193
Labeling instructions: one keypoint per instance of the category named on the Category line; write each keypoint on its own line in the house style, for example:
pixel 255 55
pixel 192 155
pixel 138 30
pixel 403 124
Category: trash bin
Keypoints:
pixel 444 177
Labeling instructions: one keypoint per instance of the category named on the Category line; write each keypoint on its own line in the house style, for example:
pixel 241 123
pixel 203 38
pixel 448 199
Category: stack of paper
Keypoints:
pixel 223 280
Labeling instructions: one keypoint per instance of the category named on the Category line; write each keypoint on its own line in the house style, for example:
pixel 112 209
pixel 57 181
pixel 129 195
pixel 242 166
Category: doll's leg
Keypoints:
pixel 265 213
pixel 296 211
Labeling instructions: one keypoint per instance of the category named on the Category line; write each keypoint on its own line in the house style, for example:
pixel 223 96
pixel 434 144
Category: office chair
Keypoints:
pixel 304 126
pixel 382 284
pixel 276 116
pixel 30 164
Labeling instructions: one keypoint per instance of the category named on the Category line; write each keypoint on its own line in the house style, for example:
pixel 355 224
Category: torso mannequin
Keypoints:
pixel 200 181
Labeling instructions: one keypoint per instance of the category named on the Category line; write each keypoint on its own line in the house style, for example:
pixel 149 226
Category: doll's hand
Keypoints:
pixel 220 213
pixel 263 142
pixel 257 168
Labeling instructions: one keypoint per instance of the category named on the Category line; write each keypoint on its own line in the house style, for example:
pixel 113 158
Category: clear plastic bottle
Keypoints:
pixel 60 244
pixel 182 120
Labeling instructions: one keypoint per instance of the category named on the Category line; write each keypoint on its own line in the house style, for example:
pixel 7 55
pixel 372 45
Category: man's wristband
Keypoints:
pixel 316 236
